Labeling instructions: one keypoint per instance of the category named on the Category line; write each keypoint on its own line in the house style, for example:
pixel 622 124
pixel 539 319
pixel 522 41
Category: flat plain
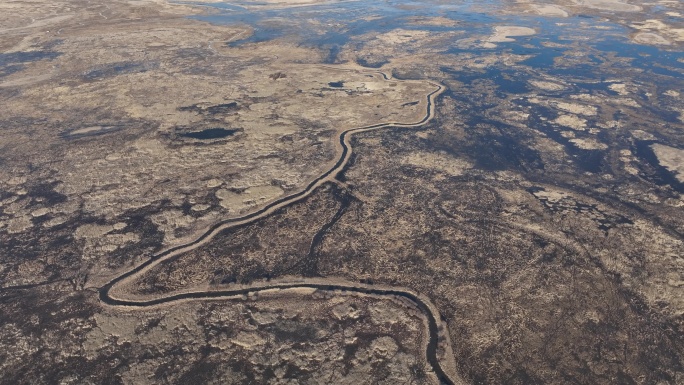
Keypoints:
pixel 342 192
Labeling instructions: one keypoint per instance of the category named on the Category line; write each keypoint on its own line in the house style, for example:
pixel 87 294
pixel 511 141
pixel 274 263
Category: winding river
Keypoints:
pixel 344 151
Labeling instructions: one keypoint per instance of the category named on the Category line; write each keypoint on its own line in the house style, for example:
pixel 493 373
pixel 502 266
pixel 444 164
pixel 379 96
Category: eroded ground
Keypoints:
pixel 103 137
pixel 540 211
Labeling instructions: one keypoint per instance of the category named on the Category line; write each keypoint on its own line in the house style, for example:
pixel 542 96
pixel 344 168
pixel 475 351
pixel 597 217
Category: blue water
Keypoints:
pixel 344 21
pixel 583 51
pixel 210 133
pixel 335 27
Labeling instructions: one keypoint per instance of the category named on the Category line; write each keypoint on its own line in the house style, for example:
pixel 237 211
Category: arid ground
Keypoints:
pixel 342 192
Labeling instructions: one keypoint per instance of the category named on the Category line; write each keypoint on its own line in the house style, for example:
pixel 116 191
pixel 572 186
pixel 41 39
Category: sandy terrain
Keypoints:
pixel 671 158
pixel 505 34
pixel 536 206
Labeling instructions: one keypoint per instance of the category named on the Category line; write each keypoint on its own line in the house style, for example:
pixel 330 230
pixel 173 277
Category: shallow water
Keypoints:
pixel 332 26
pixel 210 133
pixel 585 52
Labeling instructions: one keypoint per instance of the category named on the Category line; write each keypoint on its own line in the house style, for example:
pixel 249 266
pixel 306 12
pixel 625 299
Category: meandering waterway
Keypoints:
pixel 344 151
